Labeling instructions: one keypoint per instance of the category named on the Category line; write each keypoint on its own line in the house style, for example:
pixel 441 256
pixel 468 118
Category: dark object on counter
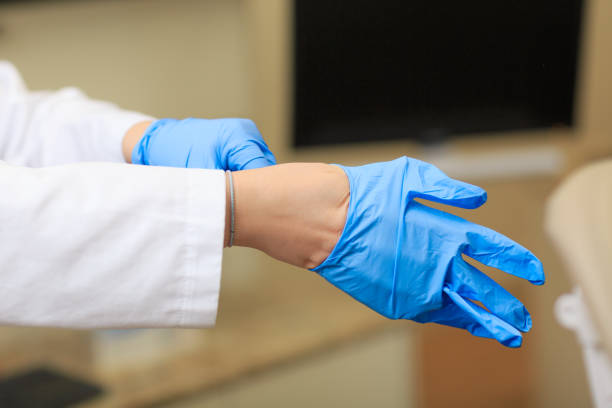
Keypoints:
pixel 44 388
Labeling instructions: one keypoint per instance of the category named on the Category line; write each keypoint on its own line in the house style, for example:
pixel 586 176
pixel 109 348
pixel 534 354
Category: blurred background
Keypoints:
pixel 511 96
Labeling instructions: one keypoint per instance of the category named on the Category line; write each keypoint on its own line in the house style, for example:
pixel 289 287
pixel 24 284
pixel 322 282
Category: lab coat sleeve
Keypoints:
pixel 57 127
pixel 110 245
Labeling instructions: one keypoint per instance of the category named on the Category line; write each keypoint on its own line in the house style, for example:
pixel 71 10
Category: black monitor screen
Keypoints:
pixel 428 70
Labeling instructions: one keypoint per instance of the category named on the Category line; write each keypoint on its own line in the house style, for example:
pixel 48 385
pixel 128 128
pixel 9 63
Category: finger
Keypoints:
pixel 252 152
pixel 471 283
pixel 453 316
pixel 248 156
pixel 430 183
pixel 496 250
pixel 496 327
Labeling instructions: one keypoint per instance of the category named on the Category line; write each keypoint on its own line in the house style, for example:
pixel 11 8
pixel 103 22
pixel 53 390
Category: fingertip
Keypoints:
pixel 536 276
pixel 527 323
pixel 484 196
pixel 472 197
pixel 480 195
pixel 513 341
pixel 519 318
pixel 480 199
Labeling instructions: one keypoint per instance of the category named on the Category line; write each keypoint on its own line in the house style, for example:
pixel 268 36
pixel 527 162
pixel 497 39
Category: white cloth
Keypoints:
pixel 99 244
pixel 48 128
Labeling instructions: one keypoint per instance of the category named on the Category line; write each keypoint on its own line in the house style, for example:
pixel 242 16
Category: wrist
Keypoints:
pixel 293 212
pixel 132 137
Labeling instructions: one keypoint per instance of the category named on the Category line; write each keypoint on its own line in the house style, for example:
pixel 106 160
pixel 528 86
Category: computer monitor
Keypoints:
pixel 429 70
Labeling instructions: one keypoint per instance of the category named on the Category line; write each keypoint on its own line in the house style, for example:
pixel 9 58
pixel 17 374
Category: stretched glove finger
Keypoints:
pixel 471 283
pixel 496 250
pixel 453 316
pixel 427 181
pixel 503 332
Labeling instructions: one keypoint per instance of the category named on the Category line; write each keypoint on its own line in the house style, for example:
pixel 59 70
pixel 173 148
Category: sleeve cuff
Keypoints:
pixel 204 249
pixel 119 123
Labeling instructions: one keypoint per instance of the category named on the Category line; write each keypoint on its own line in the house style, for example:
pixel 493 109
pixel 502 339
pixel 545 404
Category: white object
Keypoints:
pixel 48 128
pixel 579 220
pixel 99 244
pixel 502 164
pixel 572 313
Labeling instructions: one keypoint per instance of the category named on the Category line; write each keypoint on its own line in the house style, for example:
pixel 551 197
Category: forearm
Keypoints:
pixel 293 212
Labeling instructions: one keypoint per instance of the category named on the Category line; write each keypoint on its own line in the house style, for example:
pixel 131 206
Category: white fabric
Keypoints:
pixel 572 312
pixel 99 244
pixel 47 128
pixel 579 221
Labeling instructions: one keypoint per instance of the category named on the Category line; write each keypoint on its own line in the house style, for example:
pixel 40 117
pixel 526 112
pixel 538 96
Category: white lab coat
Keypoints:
pixel 99 244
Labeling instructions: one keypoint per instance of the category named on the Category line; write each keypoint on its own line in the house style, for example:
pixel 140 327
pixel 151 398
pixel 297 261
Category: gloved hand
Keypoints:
pixel 226 144
pixel 404 259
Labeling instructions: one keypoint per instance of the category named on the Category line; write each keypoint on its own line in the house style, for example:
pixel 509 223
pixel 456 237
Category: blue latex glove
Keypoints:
pixel 225 144
pixel 404 259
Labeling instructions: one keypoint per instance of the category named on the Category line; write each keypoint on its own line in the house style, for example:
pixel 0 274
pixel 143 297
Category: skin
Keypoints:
pixel 133 136
pixel 293 212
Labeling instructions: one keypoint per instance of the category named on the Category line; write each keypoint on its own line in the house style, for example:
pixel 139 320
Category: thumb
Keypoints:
pixel 247 148
pixel 429 182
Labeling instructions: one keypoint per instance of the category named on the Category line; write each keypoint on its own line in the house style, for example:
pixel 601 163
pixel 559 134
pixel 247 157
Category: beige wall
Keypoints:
pixel 182 58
